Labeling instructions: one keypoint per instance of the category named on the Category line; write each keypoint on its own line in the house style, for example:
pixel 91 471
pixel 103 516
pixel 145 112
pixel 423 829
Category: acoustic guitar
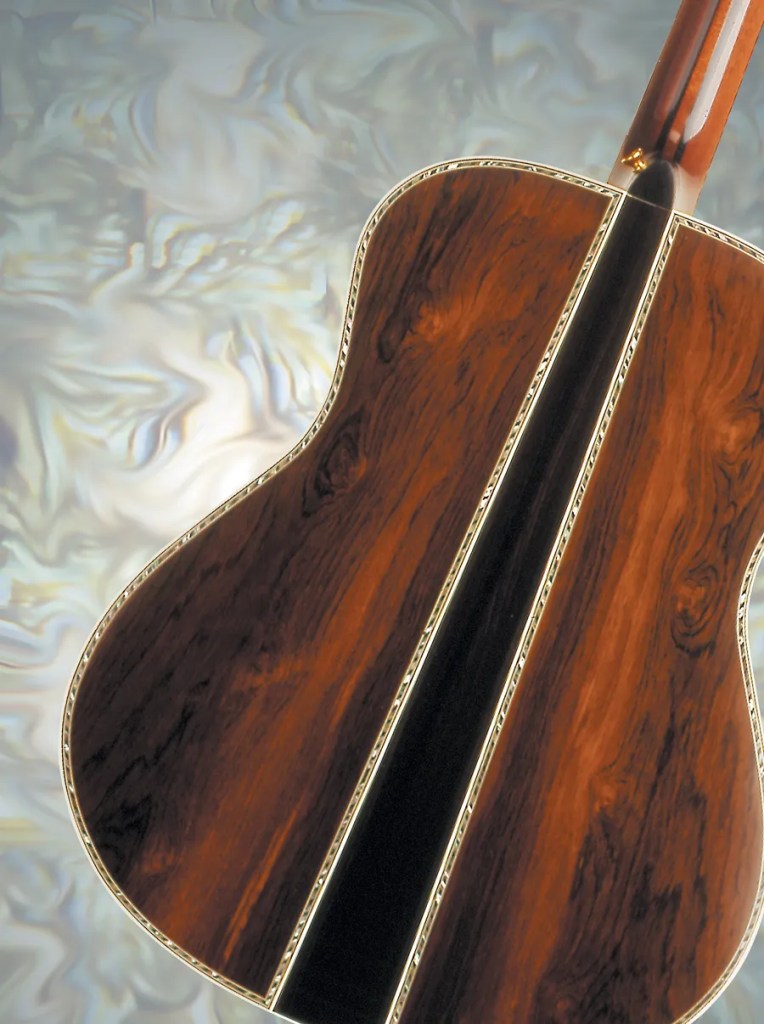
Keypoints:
pixel 448 718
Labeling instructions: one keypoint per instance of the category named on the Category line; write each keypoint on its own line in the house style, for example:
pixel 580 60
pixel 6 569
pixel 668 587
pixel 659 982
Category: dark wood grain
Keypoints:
pixel 614 855
pixel 229 707
pixel 349 965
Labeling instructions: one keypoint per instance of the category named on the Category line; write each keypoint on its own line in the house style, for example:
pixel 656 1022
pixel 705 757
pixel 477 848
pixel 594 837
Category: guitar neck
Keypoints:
pixel 687 103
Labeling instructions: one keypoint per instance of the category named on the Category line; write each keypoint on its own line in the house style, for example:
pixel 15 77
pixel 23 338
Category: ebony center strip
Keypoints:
pixel 353 954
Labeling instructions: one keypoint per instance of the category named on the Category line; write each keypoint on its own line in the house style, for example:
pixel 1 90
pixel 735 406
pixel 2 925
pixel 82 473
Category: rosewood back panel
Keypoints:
pixel 612 863
pixel 228 709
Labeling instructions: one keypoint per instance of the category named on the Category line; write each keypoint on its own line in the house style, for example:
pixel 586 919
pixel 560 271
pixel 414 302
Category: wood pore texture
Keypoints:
pixel 612 861
pixel 227 711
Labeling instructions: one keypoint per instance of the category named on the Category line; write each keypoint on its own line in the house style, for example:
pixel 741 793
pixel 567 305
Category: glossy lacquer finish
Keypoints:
pixel 688 100
pixel 349 965
pixel 614 854
pixel 227 712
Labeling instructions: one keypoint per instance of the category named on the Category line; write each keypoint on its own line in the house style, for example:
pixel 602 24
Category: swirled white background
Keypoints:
pixel 182 184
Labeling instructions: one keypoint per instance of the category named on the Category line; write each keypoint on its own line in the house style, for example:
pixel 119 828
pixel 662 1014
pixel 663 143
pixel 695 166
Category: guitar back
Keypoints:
pixel 234 719
pixel 614 857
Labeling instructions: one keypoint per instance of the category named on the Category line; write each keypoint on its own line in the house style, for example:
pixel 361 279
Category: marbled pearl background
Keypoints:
pixel 182 184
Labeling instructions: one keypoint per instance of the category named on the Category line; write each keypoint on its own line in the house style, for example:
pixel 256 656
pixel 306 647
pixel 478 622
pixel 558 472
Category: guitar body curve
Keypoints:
pixel 203 721
pixel 228 720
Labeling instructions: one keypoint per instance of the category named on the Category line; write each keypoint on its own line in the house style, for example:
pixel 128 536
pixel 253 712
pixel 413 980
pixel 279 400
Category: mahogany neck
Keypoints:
pixel 688 100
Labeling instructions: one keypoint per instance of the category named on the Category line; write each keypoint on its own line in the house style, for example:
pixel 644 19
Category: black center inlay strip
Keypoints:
pixel 353 954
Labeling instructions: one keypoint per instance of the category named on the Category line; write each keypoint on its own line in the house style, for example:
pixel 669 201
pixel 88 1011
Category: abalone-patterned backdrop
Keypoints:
pixel 182 184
